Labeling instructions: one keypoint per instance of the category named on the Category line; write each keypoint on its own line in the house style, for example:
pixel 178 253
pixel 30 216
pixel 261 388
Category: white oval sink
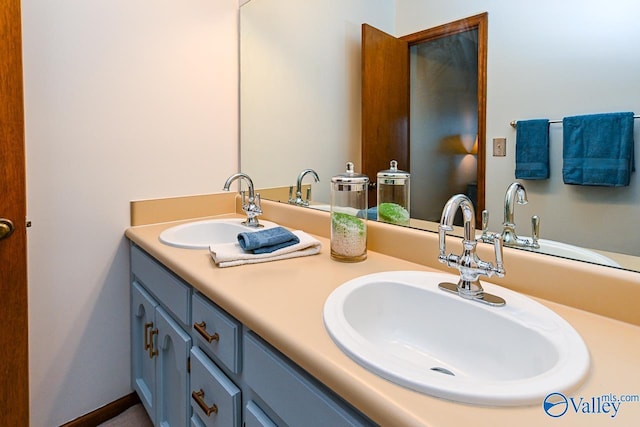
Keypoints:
pixel 201 234
pixel 400 326
pixel 565 250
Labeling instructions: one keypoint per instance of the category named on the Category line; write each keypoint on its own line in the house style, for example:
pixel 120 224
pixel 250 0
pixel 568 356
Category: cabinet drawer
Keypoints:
pixel 215 399
pixel 290 392
pixel 216 332
pixel 255 417
pixel 174 294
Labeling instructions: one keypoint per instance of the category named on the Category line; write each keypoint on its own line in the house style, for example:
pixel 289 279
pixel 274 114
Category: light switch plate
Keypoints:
pixel 499 147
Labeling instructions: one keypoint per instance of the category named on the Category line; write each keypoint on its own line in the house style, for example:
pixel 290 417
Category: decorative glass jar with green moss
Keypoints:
pixel 393 195
pixel 349 216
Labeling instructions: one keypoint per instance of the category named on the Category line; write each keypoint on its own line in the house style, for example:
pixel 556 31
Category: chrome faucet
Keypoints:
pixel 471 267
pixel 251 206
pixel 298 200
pixel 516 193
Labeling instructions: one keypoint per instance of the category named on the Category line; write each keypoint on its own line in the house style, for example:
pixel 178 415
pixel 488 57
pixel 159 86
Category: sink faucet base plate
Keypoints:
pixel 252 224
pixel 482 297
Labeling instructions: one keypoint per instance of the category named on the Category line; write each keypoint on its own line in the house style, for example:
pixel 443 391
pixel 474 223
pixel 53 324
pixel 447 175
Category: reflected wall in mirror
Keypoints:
pixel 300 87
pixel 545 60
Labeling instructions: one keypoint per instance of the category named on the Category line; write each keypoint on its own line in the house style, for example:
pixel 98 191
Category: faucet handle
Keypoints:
pixel 442 241
pixel 535 230
pixel 486 237
pixel 256 202
pixel 485 220
pixel 497 244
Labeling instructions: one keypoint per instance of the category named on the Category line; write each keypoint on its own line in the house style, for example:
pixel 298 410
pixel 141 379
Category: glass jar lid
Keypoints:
pixel 350 176
pixel 393 172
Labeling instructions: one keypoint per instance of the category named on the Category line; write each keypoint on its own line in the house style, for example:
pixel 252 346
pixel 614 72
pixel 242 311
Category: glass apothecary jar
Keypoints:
pixel 349 216
pixel 393 195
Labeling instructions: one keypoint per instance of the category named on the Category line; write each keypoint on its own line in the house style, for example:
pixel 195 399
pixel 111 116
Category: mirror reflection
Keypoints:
pixel 301 94
pixel 422 103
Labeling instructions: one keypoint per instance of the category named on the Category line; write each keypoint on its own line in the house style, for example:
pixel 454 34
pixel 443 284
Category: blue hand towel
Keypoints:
pixel 598 149
pixel 371 213
pixel 532 149
pixel 267 241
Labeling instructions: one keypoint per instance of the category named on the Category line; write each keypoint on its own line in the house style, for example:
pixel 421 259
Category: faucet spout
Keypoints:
pixel 459 201
pixel 516 193
pixel 240 176
pixel 250 205
pixel 299 200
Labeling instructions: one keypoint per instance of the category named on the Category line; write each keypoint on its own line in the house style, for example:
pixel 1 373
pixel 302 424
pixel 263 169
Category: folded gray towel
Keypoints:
pixel 267 241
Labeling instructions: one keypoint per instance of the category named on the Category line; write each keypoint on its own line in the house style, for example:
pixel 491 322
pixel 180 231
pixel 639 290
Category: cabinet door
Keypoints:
pixel 143 376
pixel 173 345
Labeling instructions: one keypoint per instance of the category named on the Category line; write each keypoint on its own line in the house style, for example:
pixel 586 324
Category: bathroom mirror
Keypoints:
pixel 300 99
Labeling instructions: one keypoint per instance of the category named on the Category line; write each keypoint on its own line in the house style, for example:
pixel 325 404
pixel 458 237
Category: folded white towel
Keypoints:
pixel 231 254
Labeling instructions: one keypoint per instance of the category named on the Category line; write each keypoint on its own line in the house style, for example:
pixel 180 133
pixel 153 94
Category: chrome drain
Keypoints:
pixel 443 371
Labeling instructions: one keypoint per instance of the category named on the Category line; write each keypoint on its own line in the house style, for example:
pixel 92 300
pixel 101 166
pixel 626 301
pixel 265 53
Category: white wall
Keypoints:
pixel 124 100
pixel 300 86
pixel 550 59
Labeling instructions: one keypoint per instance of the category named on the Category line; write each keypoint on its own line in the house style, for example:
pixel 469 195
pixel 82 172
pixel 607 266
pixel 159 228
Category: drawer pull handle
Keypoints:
pixel 152 352
pixel 147 344
pixel 202 330
pixel 198 396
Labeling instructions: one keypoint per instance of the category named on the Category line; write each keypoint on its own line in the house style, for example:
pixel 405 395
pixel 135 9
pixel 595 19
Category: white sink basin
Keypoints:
pixel 400 326
pixel 201 234
pixel 565 250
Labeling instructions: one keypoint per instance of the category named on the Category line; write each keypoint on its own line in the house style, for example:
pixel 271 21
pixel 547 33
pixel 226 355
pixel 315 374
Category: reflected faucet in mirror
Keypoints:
pixel 515 194
pixel 250 206
pixel 469 264
pixel 298 200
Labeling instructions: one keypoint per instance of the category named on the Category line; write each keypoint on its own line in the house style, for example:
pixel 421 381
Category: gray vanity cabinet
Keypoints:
pixel 221 374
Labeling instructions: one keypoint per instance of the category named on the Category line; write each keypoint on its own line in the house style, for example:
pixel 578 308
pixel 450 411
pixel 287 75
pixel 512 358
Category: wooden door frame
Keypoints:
pixel 14 334
pixel 480 23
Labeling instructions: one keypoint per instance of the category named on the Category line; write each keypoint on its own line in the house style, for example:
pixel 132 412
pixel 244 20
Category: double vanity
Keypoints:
pixel 311 341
